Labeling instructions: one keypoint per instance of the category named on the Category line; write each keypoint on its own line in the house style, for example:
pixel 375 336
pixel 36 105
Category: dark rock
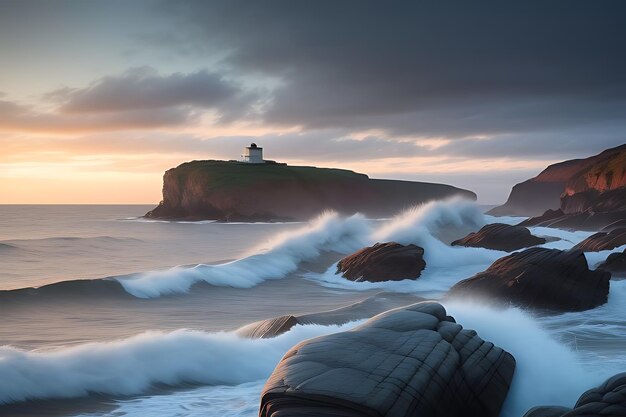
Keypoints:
pixel 544 220
pixel 500 236
pixel 540 278
pixel 615 263
pixel 269 328
pixel 411 361
pixel 609 399
pixel 603 241
pixel 588 220
pixel 383 262
pixel 615 225
pixel 361 310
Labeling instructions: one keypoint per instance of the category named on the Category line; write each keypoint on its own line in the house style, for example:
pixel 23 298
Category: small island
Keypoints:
pixel 253 189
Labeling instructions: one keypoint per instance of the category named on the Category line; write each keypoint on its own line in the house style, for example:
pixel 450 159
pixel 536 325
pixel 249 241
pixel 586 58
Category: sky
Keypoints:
pixel 98 99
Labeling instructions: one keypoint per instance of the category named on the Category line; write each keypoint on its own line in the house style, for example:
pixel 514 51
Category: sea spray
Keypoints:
pixel 281 256
pixel 419 226
pixel 547 372
pixel 330 232
pixel 131 366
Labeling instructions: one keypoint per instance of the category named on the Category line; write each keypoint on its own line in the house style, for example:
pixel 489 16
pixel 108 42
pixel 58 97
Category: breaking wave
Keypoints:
pixel 548 372
pixel 133 366
pixel 332 233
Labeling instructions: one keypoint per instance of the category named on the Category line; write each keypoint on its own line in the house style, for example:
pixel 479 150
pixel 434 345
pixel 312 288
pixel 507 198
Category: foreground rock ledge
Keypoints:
pixel 500 236
pixel 540 278
pixel 383 262
pixel 411 361
pixel 609 399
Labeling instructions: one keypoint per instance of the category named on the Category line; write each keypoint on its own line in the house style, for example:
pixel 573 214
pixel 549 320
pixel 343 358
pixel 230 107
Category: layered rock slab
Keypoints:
pixel 609 399
pixel 539 278
pixel 370 306
pixel 411 361
pixel 383 262
pixel 603 240
pixel 500 236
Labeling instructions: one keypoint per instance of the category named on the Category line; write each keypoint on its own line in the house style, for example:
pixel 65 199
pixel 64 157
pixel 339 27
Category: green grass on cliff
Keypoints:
pixel 230 174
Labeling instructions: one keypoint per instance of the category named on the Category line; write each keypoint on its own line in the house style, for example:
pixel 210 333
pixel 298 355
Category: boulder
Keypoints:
pixel 615 263
pixel 500 236
pixel 411 361
pixel 603 241
pixel 383 262
pixel 540 278
pixel 363 309
pixel 609 399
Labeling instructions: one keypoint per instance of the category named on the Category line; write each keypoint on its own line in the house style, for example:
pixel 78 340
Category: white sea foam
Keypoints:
pixel 277 259
pixel 547 372
pixel 504 219
pixel 131 366
pixel 330 232
pixel 595 258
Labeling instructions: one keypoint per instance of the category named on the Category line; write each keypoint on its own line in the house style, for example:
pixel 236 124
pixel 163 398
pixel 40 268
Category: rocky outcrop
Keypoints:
pixel 615 263
pixel 411 361
pixel 588 220
pixel 609 399
pixel 500 236
pixel 361 310
pixel 233 191
pixel 540 278
pixel 592 185
pixel 603 241
pixel 383 262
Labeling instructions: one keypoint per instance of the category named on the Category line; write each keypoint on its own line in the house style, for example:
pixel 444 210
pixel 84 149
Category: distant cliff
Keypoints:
pixel 596 184
pixel 234 191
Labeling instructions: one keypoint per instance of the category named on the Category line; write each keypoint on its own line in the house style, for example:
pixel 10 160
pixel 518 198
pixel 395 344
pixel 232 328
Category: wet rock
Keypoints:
pixel 609 399
pixel 500 236
pixel 603 241
pixel 383 262
pixel 411 361
pixel 364 309
pixel 540 278
pixel 615 263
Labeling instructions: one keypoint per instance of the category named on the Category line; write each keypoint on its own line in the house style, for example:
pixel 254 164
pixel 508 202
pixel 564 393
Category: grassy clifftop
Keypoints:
pixel 235 191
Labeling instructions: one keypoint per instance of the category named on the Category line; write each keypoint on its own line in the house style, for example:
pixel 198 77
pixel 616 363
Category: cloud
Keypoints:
pixel 424 67
pixel 144 89
pixel 15 117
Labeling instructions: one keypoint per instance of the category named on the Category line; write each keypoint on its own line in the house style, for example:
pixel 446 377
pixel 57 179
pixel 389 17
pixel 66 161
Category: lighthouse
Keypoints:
pixel 253 154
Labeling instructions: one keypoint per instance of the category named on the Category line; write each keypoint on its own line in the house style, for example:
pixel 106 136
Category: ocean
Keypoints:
pixel 136 317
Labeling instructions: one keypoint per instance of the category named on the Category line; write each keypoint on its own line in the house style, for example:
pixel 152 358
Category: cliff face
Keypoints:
pixel 597 183
pixel 235 191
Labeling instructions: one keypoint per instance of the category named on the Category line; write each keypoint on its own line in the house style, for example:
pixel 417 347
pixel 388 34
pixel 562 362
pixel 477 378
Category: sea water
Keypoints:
pixel 152 333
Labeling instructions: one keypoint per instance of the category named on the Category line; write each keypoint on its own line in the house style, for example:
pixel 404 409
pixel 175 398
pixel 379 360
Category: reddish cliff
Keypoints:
pixel 597 183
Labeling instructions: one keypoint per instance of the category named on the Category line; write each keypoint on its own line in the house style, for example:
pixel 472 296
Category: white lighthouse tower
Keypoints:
pixel 253 154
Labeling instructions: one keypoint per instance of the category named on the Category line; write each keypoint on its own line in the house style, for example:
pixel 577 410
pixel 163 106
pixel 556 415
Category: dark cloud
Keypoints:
pixel 23 118
pixel 455 68
pixel 144 89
